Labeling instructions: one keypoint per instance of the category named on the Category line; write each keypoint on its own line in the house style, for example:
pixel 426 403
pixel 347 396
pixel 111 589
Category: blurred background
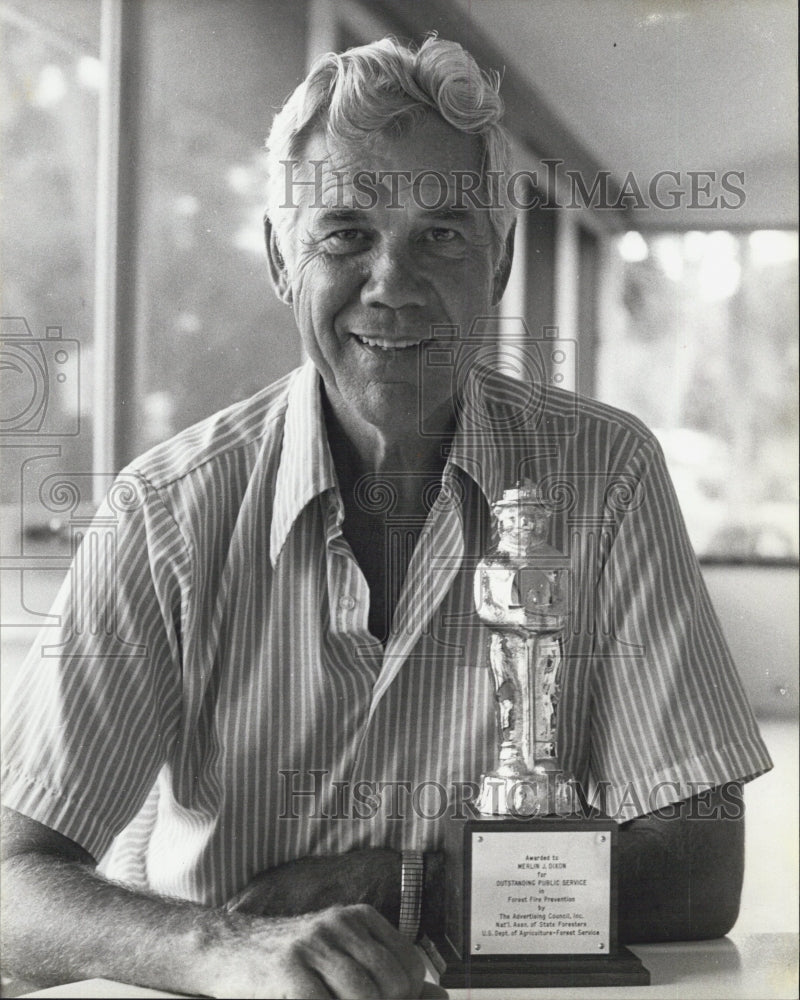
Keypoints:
pixel 663 140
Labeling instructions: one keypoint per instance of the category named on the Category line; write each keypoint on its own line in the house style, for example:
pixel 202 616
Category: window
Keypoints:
pixel 51 78
pixel 51 83
pixel 699 339
pixel 194 325
pixel 208 329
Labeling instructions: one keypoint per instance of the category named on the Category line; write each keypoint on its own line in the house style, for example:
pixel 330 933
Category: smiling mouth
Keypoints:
pixel 386 345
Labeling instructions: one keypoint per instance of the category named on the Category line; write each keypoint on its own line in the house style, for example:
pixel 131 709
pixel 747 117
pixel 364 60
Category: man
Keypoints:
pixel 292 596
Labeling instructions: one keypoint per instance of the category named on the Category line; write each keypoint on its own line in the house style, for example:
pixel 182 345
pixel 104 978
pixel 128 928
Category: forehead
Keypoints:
pixel 428 163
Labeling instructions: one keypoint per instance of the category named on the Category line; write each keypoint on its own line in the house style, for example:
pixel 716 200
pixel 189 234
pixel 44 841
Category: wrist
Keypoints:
pixel 372 875
pixel 213 940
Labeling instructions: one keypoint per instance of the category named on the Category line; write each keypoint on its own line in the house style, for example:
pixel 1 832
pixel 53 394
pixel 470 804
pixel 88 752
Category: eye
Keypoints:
pixel 345 240
pixel 442 241
pixel 441 234
pixel 345 235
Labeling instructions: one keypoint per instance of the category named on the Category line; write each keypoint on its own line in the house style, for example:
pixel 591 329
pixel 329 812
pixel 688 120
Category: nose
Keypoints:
pixel 394 280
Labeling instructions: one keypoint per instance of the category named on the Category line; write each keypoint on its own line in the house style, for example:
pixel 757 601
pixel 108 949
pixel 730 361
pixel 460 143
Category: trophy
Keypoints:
pixel 531 882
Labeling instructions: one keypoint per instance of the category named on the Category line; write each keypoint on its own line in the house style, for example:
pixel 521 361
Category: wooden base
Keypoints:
pixel 491 848
pixel 621 969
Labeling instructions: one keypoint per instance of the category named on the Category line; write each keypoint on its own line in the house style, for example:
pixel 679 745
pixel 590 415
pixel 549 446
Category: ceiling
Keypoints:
pixel 631 86
pixel 645 86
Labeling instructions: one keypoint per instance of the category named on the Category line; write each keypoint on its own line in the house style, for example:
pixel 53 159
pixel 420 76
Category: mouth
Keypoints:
pixel 384 344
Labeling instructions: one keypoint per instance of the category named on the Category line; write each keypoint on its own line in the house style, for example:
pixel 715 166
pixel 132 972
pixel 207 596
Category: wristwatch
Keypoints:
pixel 411 877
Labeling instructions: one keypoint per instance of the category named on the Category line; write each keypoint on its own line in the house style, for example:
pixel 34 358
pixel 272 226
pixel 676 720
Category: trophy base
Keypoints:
pixel 622 969
pixel 532 902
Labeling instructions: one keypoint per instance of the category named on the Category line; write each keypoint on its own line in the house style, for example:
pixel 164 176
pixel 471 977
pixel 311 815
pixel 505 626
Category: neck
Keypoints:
pixel 361 448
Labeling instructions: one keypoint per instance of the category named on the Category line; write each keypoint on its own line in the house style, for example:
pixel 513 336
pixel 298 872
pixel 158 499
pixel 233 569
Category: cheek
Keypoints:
pixel 323 285
pixel 318 295
pixel 469 284
pixel 310 292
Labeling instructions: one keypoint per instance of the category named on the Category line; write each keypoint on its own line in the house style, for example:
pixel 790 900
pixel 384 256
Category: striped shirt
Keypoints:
pixel 213 703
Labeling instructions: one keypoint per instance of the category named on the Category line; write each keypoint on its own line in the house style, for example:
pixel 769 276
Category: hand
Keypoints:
pixel 371 875
pixel 344 951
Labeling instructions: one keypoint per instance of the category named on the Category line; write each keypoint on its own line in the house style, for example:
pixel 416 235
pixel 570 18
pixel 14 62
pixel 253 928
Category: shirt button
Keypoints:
pixel 347 603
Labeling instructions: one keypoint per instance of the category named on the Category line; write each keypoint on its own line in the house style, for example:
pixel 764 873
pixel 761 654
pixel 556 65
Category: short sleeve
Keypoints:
pixel 670 717
pixel 98 700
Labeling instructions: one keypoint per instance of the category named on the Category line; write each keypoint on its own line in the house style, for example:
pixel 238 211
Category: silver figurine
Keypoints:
pixel 522 596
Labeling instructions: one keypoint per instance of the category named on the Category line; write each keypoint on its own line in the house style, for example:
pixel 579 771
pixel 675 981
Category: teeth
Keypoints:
pixel 387 345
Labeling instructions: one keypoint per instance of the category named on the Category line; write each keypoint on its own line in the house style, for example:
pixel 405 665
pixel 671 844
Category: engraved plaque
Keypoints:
pixel 540 892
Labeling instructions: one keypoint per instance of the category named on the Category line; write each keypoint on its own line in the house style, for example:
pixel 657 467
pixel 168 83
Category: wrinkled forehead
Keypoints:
pixel 429 166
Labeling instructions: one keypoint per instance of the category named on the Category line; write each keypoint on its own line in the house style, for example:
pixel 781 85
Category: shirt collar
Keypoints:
pixel 502 429
pixel 496 427
pixel 306 465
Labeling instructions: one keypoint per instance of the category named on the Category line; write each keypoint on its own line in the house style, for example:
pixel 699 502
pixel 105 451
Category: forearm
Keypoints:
pixel 371 875
pixel 64 922
pixel 681 870
pixel 68 923
pixel 654 898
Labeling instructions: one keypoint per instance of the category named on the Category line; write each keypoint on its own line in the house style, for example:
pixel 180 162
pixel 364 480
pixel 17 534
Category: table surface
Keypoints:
pixel 750 967
pixel 740 967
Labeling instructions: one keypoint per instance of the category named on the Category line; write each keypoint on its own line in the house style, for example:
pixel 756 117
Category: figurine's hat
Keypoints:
pixel 523 494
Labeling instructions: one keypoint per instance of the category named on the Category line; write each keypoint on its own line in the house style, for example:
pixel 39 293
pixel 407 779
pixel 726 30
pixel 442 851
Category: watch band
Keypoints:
pixel 411 878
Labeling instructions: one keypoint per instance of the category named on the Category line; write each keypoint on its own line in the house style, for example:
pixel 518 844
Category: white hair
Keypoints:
pixel 388 87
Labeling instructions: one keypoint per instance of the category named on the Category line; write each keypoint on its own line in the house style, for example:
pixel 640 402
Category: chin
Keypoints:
pixel 395 408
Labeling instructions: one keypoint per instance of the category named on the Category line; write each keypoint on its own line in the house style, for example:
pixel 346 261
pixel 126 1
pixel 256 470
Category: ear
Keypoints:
pixel 277 266
pixel 504 267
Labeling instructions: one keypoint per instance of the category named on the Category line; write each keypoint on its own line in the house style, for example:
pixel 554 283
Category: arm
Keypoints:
pixel 62 922
pixel 371 875
pixel 680 875
pixel 681 869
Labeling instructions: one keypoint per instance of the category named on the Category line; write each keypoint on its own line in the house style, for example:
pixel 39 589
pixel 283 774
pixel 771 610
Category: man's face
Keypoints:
pixel 368 284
